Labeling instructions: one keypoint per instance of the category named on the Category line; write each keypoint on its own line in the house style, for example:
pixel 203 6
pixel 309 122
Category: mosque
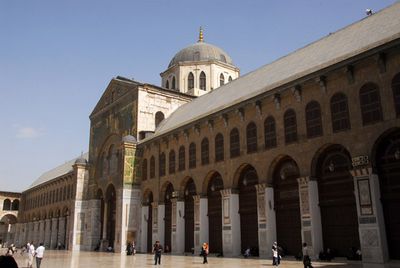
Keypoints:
pixel 303 149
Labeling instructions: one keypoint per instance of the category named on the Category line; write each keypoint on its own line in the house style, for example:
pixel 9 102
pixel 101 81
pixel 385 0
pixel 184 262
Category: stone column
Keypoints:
pixel 29 231
pixel 231 242
pixel 47 233
pixel 41 231
pixel 270 218
pixel 67 232
pixel 262 221
pixel 371 223
pixel 310 215
pixel 200 222
pixel 142 246
pixel 61 231
pixel 54 233
pixel 178 226
pixel 36 232
pixel 158 222
pixel 94 225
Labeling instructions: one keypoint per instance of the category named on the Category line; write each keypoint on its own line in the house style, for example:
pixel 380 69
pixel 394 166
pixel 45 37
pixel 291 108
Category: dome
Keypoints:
pixel 201 51
pixel 129 138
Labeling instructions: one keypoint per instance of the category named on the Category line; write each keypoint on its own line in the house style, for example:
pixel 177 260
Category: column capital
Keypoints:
pixel 303 181
pixel 361 171
pixel 228 192
pixel 261 188
pixel 199 196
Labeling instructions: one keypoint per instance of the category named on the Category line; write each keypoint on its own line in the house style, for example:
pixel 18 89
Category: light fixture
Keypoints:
pixel 331 166
pixel 397 154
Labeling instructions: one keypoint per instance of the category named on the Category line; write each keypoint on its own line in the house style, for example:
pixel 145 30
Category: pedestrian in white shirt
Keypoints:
pixel 39 255
pixel 31 253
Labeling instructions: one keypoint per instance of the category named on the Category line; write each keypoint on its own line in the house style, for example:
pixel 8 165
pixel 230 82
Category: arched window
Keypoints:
pixel 234 140
pixel 251 137
pixel 370 103
pixel 7 204
pixel 152 167
pixel 230 79
pixel 219 147
pixel 340 112
pixel 202 81
pixel 396 93
pixel 313 119
pixel 205 152
pixel 158 118
pixel 181 165
pixel 167 84
pixel 190 81
pixel 162 164
pixel 221 80
pixel 173 85
pixel 290 125
pixel 192 155
pixel 171 162
pixel 269 132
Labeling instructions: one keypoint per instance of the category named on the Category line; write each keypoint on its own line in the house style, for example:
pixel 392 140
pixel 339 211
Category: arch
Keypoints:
pixel 290 125
pixel 171 162
pixel 158 118
pixel 189 192
pixel 386 161
pixel 215 185
pixel 219 147
pixel 396 93
pixel 203 81
pixel 173 84
pixel 164 189
pixel 15 204
pixel 192 155
pixel 313 119
pixel 181 158
pixel 205 152
pixel 370 104
pixel 9 218
pixel 234 143
pixel 190 81
pixel 7 204
pixel 251 137
pixel 221 79
pixel 269 132
pixel 152 167
pixel 287 205
pixel 339 112
pixel 230 79
pixel 161 165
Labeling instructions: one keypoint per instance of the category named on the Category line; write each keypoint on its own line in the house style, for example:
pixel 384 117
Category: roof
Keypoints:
pixel 201 52
pixel 364 35
pixel 57 171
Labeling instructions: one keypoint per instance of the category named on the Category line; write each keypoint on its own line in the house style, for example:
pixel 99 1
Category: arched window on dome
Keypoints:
pixel 190 81
pixel 167 84
pixel 202 81
pixel 230 79
pixel 158 118
pixel 173 83
pixel 221 80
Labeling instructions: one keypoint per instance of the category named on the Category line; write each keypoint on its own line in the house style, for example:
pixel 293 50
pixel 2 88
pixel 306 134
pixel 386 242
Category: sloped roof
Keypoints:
pixel 362 36
pixel 57 171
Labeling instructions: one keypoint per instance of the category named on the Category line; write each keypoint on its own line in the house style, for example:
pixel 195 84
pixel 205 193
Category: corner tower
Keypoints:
pixel 199 68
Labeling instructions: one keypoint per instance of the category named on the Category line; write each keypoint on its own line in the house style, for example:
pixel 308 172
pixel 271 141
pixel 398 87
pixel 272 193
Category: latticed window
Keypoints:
pixel 152 167
pixel 370 103
pixel 173 85
pixel 251 137
pixel 221 80
pixel 313 119
pixel 202 81
pixel 234 142
pixel 190 81
pixel 219 147
pixel 340 112
pixel 181 165
pixel 171 162
pixel 269 132
pixel 192 155
pixel 396 93
pixel 290 123
pixel 162 164
pixel 205 152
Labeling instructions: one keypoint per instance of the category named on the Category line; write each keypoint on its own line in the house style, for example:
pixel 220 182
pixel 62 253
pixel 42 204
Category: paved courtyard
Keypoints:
pixel 67 259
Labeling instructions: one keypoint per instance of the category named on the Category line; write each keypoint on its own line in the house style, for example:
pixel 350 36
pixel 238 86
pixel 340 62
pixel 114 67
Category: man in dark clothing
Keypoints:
pixel 157 249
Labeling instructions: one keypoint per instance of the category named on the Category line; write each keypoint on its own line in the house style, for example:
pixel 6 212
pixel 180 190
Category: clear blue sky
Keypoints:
pixel 57 57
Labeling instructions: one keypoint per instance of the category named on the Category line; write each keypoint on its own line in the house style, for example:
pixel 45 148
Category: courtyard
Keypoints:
pixel 68 259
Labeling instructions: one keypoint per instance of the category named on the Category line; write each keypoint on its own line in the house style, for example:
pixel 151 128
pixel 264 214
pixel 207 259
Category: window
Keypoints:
pixel 219 147
pixel 221 80
pixel 173 83
pixel 171 162
pixel 190 81
pixel 269 133
pixel 370 103
pixel 340 112
pixel 234 143
pixel 167 84
pixel 251 137
pixel 7 204
pixel 313 119
pixel 202 81
pixel 192 155
pixel 162 164
pixel 396 93
pixel 290 125
pixel 230 79
pixel 152 167
pixel 181 158
pixel 205 152
pixel 158 118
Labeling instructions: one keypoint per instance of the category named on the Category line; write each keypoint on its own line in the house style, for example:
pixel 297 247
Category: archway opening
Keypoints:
pixel 110 211
pixel 190 191
pixel 149 201
pixel 215 185
pixel 168 217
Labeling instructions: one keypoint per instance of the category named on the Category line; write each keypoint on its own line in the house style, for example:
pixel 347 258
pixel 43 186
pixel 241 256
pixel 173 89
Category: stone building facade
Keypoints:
pixel 9 204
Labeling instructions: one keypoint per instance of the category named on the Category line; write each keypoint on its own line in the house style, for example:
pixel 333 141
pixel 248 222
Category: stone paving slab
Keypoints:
pixel 67 259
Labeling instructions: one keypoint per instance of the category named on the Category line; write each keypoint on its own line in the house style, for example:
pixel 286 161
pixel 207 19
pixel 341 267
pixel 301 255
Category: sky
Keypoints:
pixel 57 58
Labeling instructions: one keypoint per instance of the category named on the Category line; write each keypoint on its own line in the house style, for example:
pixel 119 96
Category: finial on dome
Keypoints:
pixel 201 37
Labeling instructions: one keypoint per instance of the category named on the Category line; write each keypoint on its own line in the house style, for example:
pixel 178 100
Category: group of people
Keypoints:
pixel 277 251
pixel 158 249
pixel 30 251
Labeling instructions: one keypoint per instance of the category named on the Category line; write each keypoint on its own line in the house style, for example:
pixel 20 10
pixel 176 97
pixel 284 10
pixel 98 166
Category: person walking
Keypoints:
pixel 306 257
pixel 39 255
pixel 157 250
pixel 275 255
pixel 31 254
pixel 204 252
